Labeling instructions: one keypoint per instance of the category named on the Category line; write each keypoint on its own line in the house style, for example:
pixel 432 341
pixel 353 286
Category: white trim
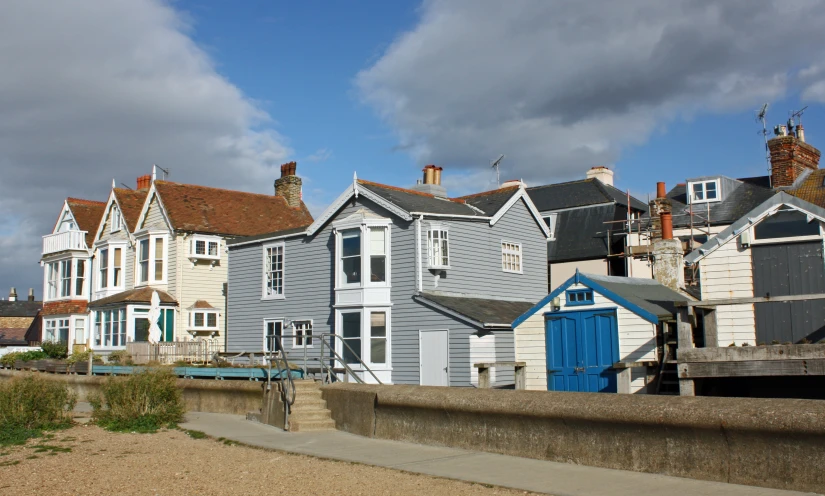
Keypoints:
pixel 330 211
pixel 384 203
pixel 112 212
pixel 418 264
pixel 303 336
pixel 520 257
pixel 207 239
pixel 440 228
pixel 522 195
pixel 263 336
pixel 453 216
pixel 152 236
pixel 153 193
pixel 265 270
pixel 191 327
pixel 554 219
pixel 545 212
pixel 704 182
pixel 366 337
pixel 106 213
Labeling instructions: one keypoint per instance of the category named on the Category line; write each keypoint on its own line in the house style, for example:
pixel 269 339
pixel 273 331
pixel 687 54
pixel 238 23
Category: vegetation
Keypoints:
pixel 81 357
pixel 141 402
pixel 54 349
pixel 196 434
pixel 120 357
pixel 31 404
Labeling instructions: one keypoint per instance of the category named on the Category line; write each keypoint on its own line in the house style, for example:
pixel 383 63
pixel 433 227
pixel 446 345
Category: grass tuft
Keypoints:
pixel 143 402
pixel 29 405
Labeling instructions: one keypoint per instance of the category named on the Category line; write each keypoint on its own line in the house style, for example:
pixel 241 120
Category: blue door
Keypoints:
pixel 581 350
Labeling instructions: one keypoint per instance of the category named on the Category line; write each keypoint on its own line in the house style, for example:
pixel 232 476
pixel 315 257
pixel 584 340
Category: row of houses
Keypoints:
pixel 580 280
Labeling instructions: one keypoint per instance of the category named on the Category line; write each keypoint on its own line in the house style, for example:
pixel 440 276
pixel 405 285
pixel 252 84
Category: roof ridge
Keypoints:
pixel 87 202
pixel 484 193
pixel 562 183
pixel 396 188
pixel 219 189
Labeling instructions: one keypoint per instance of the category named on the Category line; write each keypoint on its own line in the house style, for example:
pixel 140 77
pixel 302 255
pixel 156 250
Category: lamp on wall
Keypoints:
pixel 557 303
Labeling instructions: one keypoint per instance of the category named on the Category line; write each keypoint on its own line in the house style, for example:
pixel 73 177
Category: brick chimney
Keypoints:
pixel 790 156
pixel 668 257
pixel 601 173
pixel 144 182
pixel 659 206
pixel 432 182
pixel 289 185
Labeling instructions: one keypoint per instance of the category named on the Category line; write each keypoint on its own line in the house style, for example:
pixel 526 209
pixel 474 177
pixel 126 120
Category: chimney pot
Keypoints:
pixel 31 294
pixel 13 294
pixel 661 191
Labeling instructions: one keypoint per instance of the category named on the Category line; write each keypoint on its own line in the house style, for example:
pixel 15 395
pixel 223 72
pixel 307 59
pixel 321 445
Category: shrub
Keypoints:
pixel 120 357
pixel 142 402
pixel 31 404
pixel 27 356
pixel 54 349
pixel 81 357
pixel 8 359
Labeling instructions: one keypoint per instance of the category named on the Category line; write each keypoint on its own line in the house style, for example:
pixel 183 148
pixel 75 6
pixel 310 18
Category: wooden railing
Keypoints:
pixel 66 240
pixel 167 353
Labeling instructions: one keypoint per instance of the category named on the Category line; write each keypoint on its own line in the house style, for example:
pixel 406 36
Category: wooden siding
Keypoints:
pixel 728 273
pixel 154 217
pixel 475 256
pixel 188 283
pixel 128 262
pixel 637 341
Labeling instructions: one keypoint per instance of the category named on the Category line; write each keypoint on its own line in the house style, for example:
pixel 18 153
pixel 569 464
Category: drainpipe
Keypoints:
pixel 418 253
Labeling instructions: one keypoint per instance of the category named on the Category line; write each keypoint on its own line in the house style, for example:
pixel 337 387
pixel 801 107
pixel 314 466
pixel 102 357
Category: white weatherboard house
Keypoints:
pixel 595 334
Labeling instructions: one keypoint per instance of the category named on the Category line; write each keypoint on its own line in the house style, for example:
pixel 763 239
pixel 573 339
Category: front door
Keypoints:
pixel 435 358
pixel 581 350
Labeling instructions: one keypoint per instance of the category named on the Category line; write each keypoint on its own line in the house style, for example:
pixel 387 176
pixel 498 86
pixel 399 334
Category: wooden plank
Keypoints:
pixel 753 368
pixel 687 387
pixel 711 330
pixel 738 301
pixel 684 329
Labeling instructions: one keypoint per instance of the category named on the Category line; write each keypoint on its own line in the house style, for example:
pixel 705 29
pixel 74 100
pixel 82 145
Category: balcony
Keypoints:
pixel 62 241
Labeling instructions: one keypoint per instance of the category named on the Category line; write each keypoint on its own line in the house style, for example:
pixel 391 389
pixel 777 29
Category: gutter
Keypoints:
pixel 451 216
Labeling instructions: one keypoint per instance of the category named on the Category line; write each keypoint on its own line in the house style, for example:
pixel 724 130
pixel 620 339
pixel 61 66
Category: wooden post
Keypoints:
pixel 484 377
pixel 711 331
pixel 687 387
pixel 89 368
pixel 521 377
pixel 684 329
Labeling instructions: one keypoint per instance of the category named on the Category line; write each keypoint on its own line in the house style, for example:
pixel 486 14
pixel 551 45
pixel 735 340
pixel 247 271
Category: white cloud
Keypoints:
pixel 98 89
pixel 321 155
pixel 562 86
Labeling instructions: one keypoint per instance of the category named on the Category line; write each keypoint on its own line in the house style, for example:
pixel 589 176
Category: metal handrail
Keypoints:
pixel 286 383
pixel 342 361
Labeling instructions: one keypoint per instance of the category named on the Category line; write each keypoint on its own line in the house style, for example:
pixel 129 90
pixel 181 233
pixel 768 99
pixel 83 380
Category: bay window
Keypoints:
pixel 80 278
pixel 151 259
pixel 57 331
pixel 273 277
pixel 117 267
pixel 366 334
pixel 51 280
pixel 103 264
pixel 351 334
pixel 143 260
pixel 438 248
pixel 110 328
pixel 65 278
pixel 363 253
pixel 158 257
pixel 378 254
pixel 203 320
pixel 80 331
pixel 378 337
pixel 351 256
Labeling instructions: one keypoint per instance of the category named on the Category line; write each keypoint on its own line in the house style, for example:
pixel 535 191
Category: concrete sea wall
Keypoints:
pixel 760 442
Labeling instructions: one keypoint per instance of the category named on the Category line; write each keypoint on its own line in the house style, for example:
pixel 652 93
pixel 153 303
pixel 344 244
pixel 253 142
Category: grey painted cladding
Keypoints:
pixel 475 259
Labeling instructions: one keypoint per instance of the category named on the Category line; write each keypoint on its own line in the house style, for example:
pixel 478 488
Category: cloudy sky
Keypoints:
pixel 221 94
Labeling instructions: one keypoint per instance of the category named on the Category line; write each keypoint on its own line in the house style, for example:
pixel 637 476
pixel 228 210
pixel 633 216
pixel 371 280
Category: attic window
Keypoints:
pixel 117 220
pixel 205 247
pixel 704 191
pixel 579 297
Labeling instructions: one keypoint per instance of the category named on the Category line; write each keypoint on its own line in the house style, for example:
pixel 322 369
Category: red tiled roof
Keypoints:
pixel 64 307
pixel 13 336
pixel 221 211
pixel 812 189
pixel 87 214
pixel 131 203
pixel 139 295
pixel 201 304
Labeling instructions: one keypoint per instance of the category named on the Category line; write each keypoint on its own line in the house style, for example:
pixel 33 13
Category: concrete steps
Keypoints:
pixel 309 411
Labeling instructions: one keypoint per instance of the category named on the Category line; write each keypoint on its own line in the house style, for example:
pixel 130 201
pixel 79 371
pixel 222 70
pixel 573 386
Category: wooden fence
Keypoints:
pixel 196 351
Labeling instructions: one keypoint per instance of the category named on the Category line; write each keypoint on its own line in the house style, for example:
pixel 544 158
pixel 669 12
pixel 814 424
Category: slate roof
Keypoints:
pixel 87 215
pixel 282 232
pixel 13 336
pixel 580 193
pixel 417 201
pixel 648 294
pixel 811 189
pixel 139 295
pixel 490 202
pixel 131 203
pixel 20 308
pixel 221 211
pixel 487 311
pixel 581 234
pixel 743 198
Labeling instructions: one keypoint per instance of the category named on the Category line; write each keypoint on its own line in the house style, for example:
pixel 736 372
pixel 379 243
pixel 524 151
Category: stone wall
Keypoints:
pixel 760 442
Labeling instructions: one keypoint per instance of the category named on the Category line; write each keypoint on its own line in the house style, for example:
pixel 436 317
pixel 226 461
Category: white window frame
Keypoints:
pixel 265 272
pixel 266 324
pixel 366 335
pixel 52 327
pixel 364 226
pixel 443 235
pixel 506 250
pixel 79 325
pixel 117 220
pixel 303 335
pixel 103 280
pixel 110 248
pixel 207 241
pixel 85 279
pixel 206 313
pixel 52 277
pixel 66 272
pixel 704 184
pixel 551 221
pixel 151 279
pixel 101 326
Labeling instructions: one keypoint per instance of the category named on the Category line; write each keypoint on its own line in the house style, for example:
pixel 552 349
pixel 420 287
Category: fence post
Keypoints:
pixel 483 376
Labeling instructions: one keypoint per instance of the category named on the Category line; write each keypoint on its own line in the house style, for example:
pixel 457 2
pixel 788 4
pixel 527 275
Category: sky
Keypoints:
pixel 221 93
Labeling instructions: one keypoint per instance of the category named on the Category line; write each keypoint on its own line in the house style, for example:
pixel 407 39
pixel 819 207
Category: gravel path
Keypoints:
pixel 90 461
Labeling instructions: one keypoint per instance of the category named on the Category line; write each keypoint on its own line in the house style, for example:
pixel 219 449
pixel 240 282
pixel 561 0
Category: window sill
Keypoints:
pixel 277 297
pixel 694 202
pixel 439 267
pixel 512 271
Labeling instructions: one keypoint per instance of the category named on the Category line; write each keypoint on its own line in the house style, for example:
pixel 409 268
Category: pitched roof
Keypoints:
pixel 490 202
pixel 739 197
pixel 201 304
pixel 222 211
pixel 87 214
pixel 139 295
pixel 582 234
pixel 417 201
pixel 13 336
pixel 20 308
pixel 580 193
pixel 486 311
pixel 131 203
pixel 812 188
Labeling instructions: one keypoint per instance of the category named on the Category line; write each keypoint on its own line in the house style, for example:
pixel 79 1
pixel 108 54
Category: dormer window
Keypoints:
pixel 704 191
pixel 117 220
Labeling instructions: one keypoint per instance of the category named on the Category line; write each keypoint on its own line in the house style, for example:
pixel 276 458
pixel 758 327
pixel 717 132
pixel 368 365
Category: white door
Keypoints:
pixel 435 358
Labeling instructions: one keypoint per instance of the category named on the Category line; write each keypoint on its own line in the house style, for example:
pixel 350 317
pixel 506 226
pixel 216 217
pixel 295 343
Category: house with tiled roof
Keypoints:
pixel 19 320
pixel 168 239
pixel 588 228
pixel 406 285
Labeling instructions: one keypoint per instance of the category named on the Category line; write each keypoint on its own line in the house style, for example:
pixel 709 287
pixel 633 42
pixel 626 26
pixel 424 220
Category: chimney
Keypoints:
pixel 601 173
pixel 432 182
pixel 13 294
pixel 790 156
pixel 31 294
pixel 668 257
pixel 289 185
pixel 144 182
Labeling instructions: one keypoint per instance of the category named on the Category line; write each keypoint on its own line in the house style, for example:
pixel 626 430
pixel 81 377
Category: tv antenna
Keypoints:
pixel 796 115
pixel 495 165
pixel 760 116
pixel 125 185
pixel 166 172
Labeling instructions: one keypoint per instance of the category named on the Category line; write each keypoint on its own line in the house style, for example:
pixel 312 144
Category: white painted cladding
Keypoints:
pixel 482 349
pixel 637 341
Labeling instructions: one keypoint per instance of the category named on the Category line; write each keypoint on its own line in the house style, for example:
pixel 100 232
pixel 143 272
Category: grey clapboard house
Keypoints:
pixel 420 286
